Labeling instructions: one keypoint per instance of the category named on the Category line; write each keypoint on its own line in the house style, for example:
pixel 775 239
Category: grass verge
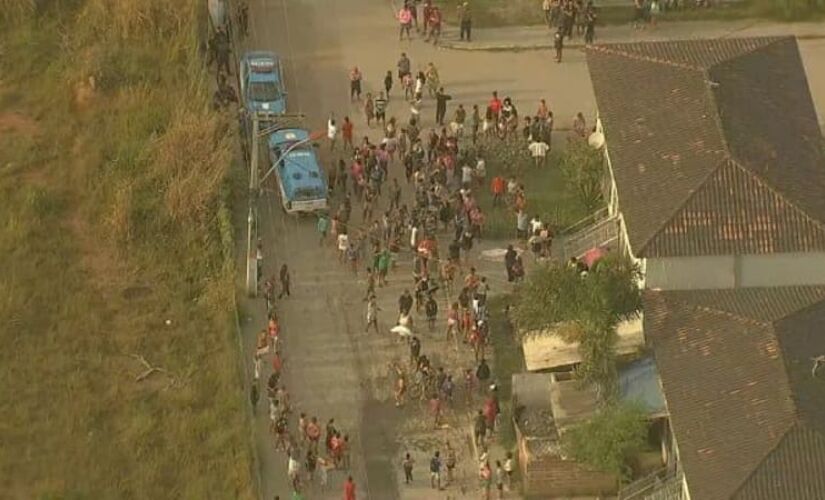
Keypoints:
pixel 549 193
pixel 116 250
pixel 508 359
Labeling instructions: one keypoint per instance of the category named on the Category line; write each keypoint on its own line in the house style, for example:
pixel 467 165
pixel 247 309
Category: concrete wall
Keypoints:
pixel 690 273
pixel 719 272
pixel 781 269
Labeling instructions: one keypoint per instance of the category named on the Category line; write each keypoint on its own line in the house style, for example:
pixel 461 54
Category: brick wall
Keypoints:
pixel 550 476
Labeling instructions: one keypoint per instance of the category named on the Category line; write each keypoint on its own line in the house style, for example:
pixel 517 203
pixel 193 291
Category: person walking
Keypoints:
pixel 347 132
pixel 355 84
pixel 380 106
pixel 465 20
pixel 500 479
pixel 589 23
pixel 332 132
pixel 323 225
pixel 479 428
pixel 283 277
pixel 372 313
pixel 369 109
pixel 349 489
pixel 441 99
pixel 405 19
pixel 538 150
pixel 407 465
pixel 222 50
pixel 388 83
pixel 403 66
pixel 558 44
pixel 483 375
pixel 435 471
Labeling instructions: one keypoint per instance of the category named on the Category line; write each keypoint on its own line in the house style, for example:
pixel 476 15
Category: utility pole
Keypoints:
pixel 252 254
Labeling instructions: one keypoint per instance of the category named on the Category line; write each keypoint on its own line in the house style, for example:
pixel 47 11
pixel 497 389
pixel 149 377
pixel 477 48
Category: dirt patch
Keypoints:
pixel 19 123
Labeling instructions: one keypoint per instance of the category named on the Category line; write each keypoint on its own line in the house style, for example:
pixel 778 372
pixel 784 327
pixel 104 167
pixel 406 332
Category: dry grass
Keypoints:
pixel 110 224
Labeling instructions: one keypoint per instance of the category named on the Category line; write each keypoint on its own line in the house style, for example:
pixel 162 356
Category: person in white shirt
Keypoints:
pixel 466 174
pixel 481 169
pixel 343 244
pixel 332 132
pixel 539 151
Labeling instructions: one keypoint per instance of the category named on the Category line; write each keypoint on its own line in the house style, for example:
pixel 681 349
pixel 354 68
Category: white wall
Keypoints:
pixel 784 269
pixel 715 272
pixel 690 273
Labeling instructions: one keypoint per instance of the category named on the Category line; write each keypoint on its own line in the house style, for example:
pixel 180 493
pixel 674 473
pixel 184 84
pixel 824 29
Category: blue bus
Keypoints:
pixel 300 178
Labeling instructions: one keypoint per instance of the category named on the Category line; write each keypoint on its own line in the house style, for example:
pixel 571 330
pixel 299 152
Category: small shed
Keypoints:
pixel 548 350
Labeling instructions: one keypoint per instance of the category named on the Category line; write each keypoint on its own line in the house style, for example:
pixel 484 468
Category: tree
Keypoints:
pixel 591 306
pixel 584 168
pixel 609 439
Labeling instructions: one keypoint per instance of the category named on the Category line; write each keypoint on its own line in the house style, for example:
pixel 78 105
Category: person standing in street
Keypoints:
pixel 441 99
pixel 347 131
pixel 465 20
pixel 558 44
pixel 500 478
pixel 283 277
pixel 355 84
pixel 323 225
pixel 380 106
pixel 332 132
pixel 589 23
pixel 349 489
pixel 479 429
pixel 483 375
pixel 405 19
pixel 407 465
pixel 388 83
pixel 435 470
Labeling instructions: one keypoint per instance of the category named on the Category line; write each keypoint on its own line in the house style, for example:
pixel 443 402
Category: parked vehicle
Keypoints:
pixel 300 178
pixel 262 83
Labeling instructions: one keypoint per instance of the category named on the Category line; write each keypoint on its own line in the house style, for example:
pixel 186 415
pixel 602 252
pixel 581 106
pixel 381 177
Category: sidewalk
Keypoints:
pixel 539 37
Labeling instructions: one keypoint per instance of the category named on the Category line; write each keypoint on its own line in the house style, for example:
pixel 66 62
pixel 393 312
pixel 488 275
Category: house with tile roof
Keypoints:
pixel 716 161
pixel 717 189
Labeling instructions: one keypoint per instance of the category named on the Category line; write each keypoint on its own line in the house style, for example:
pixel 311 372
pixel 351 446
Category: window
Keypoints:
pixel 264 91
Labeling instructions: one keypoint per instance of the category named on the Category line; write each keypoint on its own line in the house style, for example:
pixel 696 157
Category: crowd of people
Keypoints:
pixel 442 168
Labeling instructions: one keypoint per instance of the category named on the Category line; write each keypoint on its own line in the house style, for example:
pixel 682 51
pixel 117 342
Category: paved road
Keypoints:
pixel 333 369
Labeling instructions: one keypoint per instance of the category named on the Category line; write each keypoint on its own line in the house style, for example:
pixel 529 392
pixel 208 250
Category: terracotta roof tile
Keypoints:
pixel 680 116
pixel 735 369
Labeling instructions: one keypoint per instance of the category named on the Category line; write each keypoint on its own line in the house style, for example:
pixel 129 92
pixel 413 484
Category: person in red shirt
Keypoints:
pixel 347 129
pixel 495 105
pixel 349 489
pixel 497 187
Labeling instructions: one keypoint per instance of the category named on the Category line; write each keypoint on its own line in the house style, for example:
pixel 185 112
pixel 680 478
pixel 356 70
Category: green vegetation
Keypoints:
pixel 609 439
pixel 116 248
pixel 550 193
pixel 496 13
pixel 508 359
pixel 584 169
pixel 592 305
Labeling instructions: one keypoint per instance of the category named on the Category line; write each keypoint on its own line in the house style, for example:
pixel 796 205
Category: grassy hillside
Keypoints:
pixel 113 221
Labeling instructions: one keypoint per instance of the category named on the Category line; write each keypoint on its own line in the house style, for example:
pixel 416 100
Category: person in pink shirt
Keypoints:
pixel 405 20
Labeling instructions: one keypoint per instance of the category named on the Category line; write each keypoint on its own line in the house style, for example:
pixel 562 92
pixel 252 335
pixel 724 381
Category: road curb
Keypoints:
pixel 515 47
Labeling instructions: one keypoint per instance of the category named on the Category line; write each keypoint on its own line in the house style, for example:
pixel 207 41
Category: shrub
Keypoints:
pixel 609 439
